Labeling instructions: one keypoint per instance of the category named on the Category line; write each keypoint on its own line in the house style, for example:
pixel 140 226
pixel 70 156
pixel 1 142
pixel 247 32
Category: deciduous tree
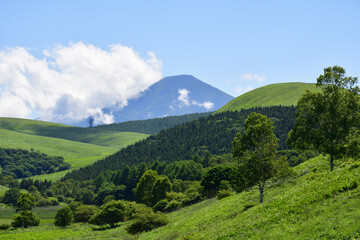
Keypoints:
pixel 324 120
pixel 256 148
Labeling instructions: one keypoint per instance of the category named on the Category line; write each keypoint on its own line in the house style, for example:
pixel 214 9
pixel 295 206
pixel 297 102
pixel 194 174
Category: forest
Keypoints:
pixel 21 163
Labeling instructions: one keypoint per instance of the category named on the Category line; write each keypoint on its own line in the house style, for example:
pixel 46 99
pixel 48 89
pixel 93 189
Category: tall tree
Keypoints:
pixel 324 120
pixel 256 148
pixel 143 193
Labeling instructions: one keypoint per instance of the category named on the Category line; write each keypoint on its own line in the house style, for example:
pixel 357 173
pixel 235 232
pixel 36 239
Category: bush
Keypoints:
pixel 74 205
pixel 160 205
pixel 84 213
pixel 4 226
pixel 110 213
pixel 64 217
pixel 173 205
pixel 146 221
pixel 27 217
pixel 223 193
pixel 44 202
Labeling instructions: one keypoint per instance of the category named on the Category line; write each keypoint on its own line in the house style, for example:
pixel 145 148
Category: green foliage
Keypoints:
pixel 256 148
pixel 11 197
pixel 214 133
pixel 161 186
pixel 110 213
pixel 25 202
pixel 4 226
pixel 64 217
pixel 146 220
pixel 326 119
pixel 223 193
pixel 152 126
pixel 84 213
pixel 22 163
pixel 144 188
pixel 284 94
pixel 214 176
pixel 25 219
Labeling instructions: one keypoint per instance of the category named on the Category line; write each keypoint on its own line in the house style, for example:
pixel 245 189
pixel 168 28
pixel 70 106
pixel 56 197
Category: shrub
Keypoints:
pixel 160 205
pixel 43 202
pixel 64 217
pixel 223 193
pixel 74 205
pixel 146 221
pixel 27 218
pixel 84 213
pixel 110 213
pixel 173 205
pixel 4 226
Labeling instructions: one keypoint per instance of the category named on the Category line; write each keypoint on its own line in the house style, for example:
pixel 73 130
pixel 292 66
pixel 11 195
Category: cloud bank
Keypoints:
pixel 185 100
pixel 69 83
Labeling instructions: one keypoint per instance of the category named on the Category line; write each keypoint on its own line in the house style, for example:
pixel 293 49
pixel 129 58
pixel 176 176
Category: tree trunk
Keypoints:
pixel 331 162
pixel 261 189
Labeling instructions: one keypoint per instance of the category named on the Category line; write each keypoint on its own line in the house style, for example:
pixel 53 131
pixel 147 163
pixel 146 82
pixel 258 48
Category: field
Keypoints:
pixel 285 94
pixel 46 137
pixel 316 204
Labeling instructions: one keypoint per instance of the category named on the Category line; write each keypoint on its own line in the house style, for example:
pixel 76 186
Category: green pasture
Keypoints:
pixel 94 136
pixel 285 94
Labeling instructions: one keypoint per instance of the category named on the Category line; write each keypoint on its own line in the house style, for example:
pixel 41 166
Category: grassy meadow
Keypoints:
pixel 285 94
pixel 315 204
pixel 79 146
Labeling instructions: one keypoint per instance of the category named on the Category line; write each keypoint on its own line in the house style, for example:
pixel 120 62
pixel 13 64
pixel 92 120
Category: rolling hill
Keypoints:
pixel 284 94
pixel 79 146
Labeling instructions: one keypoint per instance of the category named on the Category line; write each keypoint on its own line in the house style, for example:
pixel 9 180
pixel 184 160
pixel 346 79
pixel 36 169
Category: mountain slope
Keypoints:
pixel 285 94
pixel 175 95
pixel 101 137
pixel 316 204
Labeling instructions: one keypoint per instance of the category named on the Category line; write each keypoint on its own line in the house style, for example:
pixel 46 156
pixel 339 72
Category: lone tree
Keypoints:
pixel 325 120
pixel 256 148
pixel 25 217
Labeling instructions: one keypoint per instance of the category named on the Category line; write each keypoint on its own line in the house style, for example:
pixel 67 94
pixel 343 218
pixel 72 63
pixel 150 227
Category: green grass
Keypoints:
pixel 94 136
pixel 285 94
pixel 316 204
pixel 46 214
pixel 79 146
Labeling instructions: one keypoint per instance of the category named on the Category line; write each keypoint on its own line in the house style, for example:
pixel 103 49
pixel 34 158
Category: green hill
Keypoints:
pixel 97 136
pixel 316 204
pixel 285 94
pixel 79 146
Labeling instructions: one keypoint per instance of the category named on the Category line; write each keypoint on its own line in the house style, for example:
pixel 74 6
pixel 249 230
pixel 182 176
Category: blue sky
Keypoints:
pixel 233 45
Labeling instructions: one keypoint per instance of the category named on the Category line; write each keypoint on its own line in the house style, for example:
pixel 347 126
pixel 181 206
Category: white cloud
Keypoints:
pixel 185 100
pixel 253 77
pixel 183 96
pixel 73 81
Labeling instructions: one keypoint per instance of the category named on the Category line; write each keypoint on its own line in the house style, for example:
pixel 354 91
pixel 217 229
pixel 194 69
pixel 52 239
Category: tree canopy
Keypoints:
pixel 325 120
pixel 256 148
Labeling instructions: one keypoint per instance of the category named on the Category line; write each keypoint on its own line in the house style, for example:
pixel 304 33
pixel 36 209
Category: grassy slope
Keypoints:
pixel 285 94
pixel 86 135
pixel 79 146
pixel 316 204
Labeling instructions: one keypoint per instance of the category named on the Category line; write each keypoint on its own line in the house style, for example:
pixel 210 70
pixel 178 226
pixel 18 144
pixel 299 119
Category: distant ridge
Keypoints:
pixel 285 94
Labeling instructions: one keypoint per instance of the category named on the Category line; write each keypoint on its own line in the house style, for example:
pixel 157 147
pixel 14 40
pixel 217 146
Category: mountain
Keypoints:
pixel 285 94
pixel 175 95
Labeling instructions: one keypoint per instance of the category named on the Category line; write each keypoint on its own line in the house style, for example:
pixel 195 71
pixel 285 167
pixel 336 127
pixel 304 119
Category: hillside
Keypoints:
pixel 214 133
pixel 284 94
pixel 175 95
pixel 101 137
pixel 316 204
pixel 153 125
pixel 79 146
